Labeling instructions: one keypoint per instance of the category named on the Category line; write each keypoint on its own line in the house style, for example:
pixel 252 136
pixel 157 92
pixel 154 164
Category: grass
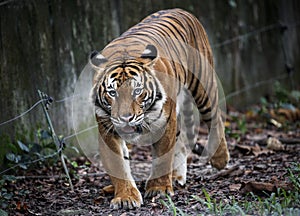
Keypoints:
pixel 280 203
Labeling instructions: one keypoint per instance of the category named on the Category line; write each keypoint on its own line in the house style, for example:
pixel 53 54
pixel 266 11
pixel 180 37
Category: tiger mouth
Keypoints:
pixel 130 129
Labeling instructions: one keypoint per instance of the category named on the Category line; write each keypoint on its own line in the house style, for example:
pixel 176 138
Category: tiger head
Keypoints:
pixel 127 95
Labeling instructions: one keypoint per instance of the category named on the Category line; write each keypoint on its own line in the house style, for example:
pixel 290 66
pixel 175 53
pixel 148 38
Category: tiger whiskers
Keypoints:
pixel 146 126
pixel 111 128
pixel 106 122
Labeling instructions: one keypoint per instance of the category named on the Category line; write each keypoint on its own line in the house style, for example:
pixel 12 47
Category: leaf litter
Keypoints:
pixel 260 159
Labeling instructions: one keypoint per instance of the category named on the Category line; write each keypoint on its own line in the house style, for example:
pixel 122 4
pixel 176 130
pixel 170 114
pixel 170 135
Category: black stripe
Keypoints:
pixel 207 110
pixel 203 103
pixel 211 118
pixel 159 116
pixel 135 67
pixel 175 28
pixel 168 28
pixel 132 73
pixel 113 68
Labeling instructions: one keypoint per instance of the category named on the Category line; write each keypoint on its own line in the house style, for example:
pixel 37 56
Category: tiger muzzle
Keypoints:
pixel 126 124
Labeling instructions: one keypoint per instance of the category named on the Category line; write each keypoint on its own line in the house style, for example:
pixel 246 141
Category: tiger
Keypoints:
pixel 142 80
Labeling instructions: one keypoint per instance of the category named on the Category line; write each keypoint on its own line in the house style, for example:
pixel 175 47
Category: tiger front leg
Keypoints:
pixel 126 194
pixel 160 180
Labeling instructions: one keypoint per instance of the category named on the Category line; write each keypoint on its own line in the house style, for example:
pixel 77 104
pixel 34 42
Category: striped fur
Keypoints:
pixel 141 85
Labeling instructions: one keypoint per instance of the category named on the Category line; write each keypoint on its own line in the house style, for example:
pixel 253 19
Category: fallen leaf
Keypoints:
pixel 276 123
pixel 256 137
pixel 245 149
pixel 99 200
pixel 257 187
pixel 274 144
pixel 255 150
pixel 109 189
pixel 235 187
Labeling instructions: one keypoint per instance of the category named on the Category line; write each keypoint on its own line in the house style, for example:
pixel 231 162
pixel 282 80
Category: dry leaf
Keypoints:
pixel 257 187
pixel 255 150
pixel 109 189
pixel 274 144
pixel 235 187
pixel 256 137
pixel 99 200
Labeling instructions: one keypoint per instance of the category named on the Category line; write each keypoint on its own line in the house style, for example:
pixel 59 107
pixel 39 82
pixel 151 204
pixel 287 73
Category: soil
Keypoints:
pixel 254 167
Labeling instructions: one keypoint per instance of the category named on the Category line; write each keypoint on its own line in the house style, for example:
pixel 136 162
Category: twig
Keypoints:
pixel 224 173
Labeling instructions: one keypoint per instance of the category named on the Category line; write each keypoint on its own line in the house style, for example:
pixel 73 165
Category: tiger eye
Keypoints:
pixel 112 93
pixel 137 91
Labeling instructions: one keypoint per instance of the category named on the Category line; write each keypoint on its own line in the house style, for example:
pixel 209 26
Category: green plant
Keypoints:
pixel 281 202
pixel 241 123
pixel 281 93
pixel 20 154
pixel 171 206
pixel 212 206
pixel 294 175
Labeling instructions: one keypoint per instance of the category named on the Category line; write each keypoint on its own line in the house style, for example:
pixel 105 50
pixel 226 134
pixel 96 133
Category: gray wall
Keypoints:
pixel 44 44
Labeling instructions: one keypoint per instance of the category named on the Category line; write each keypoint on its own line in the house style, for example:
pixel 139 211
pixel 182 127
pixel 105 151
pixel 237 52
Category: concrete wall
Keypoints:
pixel 44 44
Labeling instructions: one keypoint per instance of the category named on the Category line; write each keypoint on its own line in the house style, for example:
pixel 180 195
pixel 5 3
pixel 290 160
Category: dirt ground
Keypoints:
pixel 257 164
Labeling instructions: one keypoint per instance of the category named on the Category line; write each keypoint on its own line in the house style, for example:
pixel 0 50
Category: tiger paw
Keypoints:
pixel 161 186
pixel 159 191
pixel 220 159
pixel 131 199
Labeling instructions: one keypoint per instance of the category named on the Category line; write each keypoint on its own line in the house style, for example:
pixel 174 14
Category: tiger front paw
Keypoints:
pixel 127 200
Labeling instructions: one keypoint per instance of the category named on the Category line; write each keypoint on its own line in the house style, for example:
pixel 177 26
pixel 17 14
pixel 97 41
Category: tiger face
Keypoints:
pixel 128 97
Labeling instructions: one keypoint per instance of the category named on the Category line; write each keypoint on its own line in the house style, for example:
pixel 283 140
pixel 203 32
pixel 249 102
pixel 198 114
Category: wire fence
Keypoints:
pixel 22 114
pixel 249 34
pixel 6 2
pixel 217 45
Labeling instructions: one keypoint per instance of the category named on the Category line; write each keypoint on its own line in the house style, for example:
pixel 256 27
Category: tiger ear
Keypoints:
pixel 149 54
pixel 96 59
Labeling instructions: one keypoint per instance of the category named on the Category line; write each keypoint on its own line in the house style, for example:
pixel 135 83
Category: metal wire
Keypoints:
pixel 33 106
pixel 6 2
pixel 257 84
pixel 22 114
pixel 240 37
pixel 80 132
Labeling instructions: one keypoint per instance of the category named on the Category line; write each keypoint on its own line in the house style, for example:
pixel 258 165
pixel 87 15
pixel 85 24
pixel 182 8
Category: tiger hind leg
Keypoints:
pixel 216 149
pixel 185 137
pixel 217 146
pixel 180 162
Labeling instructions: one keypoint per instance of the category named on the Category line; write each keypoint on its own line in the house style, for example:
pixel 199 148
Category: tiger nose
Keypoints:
pixel 127 117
